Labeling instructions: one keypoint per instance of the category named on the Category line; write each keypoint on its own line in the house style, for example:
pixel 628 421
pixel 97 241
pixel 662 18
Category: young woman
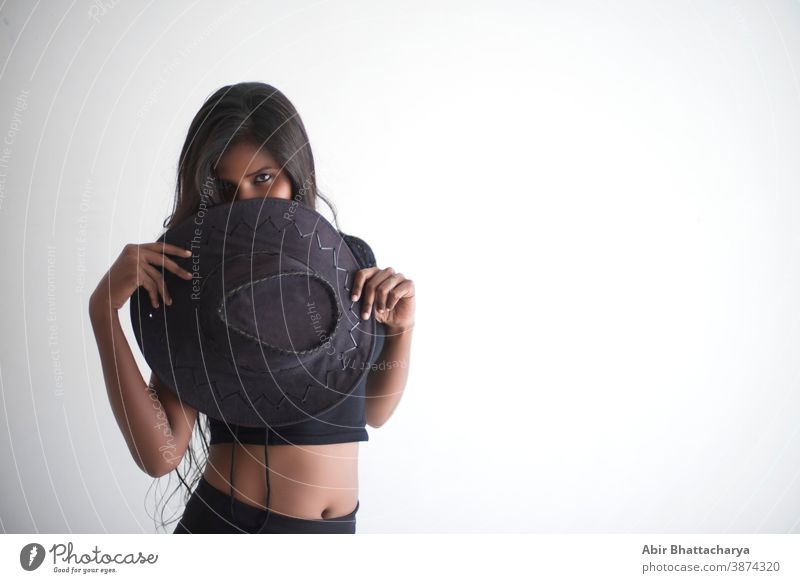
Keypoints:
pixel 248 141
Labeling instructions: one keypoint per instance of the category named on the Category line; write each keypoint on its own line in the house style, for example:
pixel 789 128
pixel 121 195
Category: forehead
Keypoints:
pixel 244 157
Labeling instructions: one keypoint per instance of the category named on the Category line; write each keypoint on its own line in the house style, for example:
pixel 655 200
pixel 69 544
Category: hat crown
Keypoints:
pixel 291 312
pixel 265 332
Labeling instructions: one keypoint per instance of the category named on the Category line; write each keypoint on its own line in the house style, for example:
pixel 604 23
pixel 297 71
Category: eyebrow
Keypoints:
pixel 256 172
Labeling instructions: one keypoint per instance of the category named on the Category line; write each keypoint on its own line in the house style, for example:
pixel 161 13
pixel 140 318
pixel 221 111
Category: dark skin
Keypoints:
pixel 307 481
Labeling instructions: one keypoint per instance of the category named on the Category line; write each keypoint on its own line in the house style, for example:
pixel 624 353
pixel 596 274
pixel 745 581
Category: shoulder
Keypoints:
pixel 360 249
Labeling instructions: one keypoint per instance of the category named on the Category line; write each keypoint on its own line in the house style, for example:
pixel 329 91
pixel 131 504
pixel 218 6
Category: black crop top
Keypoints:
pixel 344 423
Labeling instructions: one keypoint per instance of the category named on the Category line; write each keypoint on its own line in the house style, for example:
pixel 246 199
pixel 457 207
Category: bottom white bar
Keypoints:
pixel 390 557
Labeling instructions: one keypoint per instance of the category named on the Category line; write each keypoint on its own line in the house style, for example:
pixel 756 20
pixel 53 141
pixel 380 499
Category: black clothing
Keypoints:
pixel 209 511
pixel 346 422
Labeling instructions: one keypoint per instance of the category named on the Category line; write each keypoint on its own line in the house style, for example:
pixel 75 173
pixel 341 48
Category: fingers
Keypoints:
pixel 146 281
pixel 158 279
pixel 383 290
pixel 404 289
pixel 145 257
pixel 157 258
pixel 160 247
pixel 358 281
pixel 370 290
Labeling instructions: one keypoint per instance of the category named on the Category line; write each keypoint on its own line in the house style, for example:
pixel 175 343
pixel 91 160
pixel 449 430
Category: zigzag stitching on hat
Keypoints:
pixel 328 375
pixel 338 268
pixel 299 232
pixel 332 249
pixel 221 391
pixel 358 321
pixel 212 233
pixel 260 397
pixel 332 372
pixel 240 225
pixel 346 276
pixel 352 303
pixel 335 264
pixel 305 236
pixel 225 396
pixel 277 228
pixel 335 260
pixel 355 344
pixel 319 244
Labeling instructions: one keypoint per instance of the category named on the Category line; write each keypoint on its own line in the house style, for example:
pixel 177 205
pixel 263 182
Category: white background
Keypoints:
pixel 597 202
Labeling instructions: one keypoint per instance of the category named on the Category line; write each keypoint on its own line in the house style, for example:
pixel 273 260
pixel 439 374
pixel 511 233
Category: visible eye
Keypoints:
pixel 267 179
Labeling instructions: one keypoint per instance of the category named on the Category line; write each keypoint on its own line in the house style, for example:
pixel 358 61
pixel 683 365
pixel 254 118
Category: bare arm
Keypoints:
pixel 157 428
pixel 388 296
pixel 386 382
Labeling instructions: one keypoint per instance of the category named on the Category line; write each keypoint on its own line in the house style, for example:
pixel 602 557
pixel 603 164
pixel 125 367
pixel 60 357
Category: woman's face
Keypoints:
pixel 246 171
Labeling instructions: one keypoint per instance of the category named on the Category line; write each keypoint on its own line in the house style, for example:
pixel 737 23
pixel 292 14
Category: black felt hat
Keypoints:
pixel 265 333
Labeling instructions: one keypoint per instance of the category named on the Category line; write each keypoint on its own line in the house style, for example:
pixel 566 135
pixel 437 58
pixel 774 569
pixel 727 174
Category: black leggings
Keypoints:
pixel 209 511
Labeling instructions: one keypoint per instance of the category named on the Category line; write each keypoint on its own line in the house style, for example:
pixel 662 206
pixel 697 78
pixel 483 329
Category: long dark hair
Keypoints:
pixel 249 111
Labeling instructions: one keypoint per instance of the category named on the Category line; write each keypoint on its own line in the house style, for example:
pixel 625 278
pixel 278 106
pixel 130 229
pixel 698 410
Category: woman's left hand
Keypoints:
pixel 389 292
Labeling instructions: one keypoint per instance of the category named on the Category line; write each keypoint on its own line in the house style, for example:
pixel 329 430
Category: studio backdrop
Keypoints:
pixel 597 202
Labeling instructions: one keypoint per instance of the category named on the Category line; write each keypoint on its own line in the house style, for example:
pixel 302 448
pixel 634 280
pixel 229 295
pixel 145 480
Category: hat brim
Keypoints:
pixel 258 379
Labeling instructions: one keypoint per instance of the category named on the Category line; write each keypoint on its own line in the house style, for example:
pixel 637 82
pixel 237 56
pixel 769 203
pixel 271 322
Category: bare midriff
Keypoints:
pixel 306 481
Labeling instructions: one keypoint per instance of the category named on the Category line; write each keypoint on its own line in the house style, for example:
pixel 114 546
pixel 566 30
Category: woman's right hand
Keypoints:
pixel 136 266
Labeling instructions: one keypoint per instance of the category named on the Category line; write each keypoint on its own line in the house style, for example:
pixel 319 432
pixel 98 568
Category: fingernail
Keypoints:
pixel 354 297
pixel 187 252
pixel 365 315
